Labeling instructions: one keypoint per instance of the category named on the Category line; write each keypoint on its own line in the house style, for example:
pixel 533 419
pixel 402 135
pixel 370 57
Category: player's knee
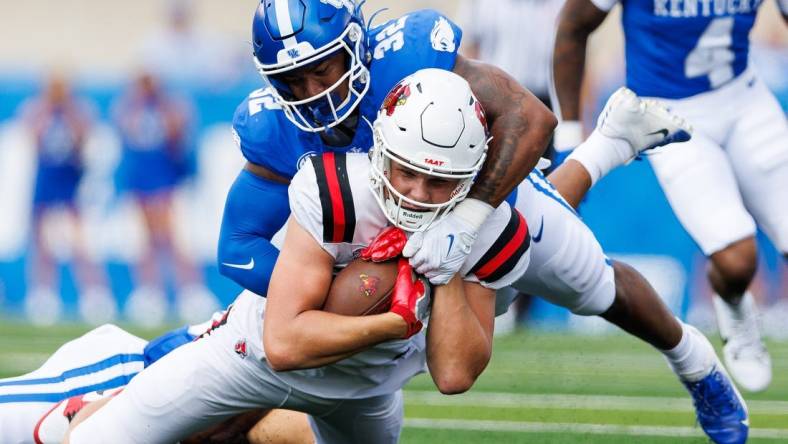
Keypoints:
pixel 598 298
pixel 736 264
pixel 628 280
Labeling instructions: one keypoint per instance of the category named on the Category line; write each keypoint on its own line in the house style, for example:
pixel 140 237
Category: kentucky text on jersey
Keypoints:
pixel 703 8
pixel 680 48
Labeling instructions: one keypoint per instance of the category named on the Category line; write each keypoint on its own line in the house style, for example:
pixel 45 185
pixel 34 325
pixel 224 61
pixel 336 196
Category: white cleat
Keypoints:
pixel 744 353
pixel 53 426
pixel 645 124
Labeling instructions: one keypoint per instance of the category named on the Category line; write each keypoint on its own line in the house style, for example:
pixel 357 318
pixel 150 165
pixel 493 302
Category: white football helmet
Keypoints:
pixel 431 123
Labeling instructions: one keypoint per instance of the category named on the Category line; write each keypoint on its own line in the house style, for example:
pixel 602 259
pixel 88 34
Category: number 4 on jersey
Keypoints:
pixel 712 55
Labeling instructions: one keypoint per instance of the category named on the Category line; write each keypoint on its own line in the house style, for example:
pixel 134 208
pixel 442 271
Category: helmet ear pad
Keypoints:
pixel 431 123
pixel 290 34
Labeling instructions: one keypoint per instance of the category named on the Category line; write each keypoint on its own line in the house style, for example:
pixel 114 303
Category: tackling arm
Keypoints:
pixel 577 20
pixel 255 210
pixel 297 333
pixel 459 336
pixel 519 123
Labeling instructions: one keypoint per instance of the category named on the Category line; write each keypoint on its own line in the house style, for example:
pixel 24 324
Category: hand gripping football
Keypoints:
pixel 362 288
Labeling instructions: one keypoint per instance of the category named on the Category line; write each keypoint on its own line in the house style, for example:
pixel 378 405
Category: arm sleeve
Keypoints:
pixel 255 210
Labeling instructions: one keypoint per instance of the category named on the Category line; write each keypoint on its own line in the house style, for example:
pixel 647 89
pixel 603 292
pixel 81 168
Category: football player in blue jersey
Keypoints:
pixel 733 175
pixel 328 74
pixel 225 373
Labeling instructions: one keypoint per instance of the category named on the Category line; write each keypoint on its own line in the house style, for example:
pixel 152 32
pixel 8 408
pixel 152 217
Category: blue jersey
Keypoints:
pixel 59 131
pixel 399 47
pixel 154 135
pixel 679 48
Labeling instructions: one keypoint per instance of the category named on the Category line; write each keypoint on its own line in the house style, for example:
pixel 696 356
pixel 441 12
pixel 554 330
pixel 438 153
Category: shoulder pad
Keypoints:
pixel 414 41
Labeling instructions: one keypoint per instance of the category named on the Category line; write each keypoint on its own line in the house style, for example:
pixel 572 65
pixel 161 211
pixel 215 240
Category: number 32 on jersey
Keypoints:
pixel 391 38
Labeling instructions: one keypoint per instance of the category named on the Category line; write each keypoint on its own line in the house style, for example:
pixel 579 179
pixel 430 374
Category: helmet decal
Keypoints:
pixel 396 97
pixel 480 114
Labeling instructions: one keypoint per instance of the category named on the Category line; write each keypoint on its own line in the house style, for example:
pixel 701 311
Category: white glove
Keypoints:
pixel 439 252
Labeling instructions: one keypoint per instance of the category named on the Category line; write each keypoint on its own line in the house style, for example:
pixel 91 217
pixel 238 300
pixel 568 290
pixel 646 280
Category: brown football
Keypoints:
pixel 362 288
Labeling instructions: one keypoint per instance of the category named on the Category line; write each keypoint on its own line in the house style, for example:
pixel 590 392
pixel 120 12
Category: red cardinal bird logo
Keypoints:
pixel 369 284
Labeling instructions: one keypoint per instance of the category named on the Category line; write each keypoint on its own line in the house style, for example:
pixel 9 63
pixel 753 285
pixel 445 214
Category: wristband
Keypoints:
pixel 473 211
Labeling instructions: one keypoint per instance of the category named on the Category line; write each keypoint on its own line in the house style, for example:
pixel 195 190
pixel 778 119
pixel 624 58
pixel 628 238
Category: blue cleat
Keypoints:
pixel 719 407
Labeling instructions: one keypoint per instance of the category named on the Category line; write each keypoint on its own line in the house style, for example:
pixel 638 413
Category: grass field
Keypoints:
pixel 539 388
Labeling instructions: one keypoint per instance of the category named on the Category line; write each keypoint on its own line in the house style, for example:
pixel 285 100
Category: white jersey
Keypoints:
pixel 330 198
pixel 104 358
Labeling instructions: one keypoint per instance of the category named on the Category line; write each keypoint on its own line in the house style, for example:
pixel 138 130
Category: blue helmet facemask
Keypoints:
pixel 316 39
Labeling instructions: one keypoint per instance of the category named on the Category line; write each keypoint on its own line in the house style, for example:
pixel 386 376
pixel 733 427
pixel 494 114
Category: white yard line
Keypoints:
pixel 578 402
pixel 597 429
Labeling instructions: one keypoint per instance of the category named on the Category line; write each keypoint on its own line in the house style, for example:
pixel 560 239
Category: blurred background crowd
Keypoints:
pixel 116 155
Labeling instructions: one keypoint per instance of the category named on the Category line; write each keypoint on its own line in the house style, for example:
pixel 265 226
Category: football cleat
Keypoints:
pixel 744 353
pixel 719 408
pixel 52 427
pixel 645 124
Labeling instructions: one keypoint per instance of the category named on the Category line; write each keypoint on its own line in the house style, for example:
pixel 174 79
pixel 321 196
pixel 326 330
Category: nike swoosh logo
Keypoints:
pixel 248 266
pixel 538 236
pixel 451 242
pixel 663 131
pixel 746 422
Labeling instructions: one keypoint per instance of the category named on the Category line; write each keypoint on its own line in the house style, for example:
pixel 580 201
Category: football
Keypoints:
pixel 362 288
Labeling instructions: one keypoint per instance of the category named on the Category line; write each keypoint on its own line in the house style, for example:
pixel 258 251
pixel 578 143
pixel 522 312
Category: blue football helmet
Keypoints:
pixel 290 34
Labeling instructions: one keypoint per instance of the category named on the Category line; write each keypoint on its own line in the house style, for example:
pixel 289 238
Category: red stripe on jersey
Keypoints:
pixel 507 251
pixel 337 205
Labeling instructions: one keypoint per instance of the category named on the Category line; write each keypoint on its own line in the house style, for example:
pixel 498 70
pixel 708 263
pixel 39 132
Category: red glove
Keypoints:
pixel 410 300
pixel 388 244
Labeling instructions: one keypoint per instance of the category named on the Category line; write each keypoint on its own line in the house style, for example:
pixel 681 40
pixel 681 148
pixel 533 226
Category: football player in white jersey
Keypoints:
pixel 733 175
pixel 347 371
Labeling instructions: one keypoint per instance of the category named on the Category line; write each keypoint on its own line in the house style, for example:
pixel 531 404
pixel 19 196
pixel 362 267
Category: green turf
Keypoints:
pixel 414 436
pixel 507 407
